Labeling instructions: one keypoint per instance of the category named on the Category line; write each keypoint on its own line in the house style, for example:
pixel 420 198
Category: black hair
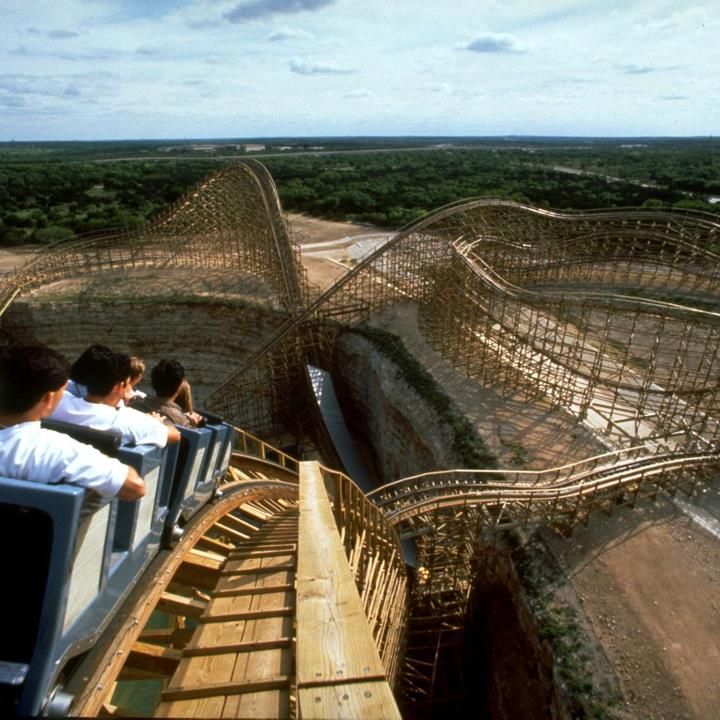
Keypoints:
pixel 166 377
pixel 103 371
pixel 86 361
pixel 27 372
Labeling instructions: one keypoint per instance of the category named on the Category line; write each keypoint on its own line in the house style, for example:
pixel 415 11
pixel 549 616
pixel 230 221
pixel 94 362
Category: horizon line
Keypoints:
pixel 502 136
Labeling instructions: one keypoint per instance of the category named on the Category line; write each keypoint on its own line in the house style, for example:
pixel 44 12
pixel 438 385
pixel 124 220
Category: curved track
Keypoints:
pixel 237 553
pixel 230 222
pixel 518 497
pixel 612 315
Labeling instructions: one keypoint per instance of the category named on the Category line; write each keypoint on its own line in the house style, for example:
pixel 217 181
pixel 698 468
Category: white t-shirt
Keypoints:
pixel 30 452
pixel 136 427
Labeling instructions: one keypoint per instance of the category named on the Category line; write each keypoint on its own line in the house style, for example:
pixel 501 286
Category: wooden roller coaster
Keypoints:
pixel 287 594
pixel 262 614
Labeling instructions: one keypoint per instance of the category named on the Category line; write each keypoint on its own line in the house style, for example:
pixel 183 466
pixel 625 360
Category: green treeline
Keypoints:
pixel 53 191
pixel 395 188
pixel 48 201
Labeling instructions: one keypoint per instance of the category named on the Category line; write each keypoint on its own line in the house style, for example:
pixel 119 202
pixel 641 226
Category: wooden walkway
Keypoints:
pixel 339 671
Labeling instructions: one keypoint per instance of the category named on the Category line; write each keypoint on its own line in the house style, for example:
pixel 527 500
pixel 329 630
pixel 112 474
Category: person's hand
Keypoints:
pixel 195 418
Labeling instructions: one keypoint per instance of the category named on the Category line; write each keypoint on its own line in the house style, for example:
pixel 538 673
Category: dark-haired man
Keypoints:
pixel 107 376
pixel 77 383
pixel 167 379
pixel 32 382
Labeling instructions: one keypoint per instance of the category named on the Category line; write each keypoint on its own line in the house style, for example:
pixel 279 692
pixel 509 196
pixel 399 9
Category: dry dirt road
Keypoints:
pixel 11 258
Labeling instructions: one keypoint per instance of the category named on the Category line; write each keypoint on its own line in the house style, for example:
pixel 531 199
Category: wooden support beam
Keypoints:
pixel 181 605
pixel 231 688
pixel 215 544
pixel 252 646
pixel 167 636
pixel 259 570
pixel 224 529
pixel 153 659
pixel 217 558
pixel 254 590
pixel 240 524
pixel 243 554
pixel 255 512
pixel 290 544
pixel 199 571
pixel 248 615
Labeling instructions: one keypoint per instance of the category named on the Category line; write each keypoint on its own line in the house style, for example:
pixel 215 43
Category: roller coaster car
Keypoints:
pixel 73 557
pixel 202 457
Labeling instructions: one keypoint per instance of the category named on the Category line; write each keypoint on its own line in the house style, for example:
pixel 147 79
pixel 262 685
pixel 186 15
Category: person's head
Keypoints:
pixel 137 368
pixel 107 373
pixel 166 378
pixel 31 374
pixel 86 361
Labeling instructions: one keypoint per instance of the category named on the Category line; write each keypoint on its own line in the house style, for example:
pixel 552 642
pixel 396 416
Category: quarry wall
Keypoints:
pixel 405 435
pixel 210 339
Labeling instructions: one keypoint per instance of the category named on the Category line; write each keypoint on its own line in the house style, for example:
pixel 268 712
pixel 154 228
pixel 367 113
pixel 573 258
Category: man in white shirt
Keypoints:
pixel 107 378
pixel 32 383
pixel 76 384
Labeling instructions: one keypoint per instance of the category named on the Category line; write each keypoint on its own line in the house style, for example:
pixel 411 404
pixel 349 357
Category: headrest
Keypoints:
pixel 107 441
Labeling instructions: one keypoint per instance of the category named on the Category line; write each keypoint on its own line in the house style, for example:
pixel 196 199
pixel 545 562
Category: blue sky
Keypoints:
pixel 95 69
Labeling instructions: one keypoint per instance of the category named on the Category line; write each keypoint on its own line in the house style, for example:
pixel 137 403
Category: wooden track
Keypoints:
pixel 239 660
pixel 214 590
pixel 215 630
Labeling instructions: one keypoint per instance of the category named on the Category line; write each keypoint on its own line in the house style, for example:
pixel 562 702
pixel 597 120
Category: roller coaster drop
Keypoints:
pixel 610 315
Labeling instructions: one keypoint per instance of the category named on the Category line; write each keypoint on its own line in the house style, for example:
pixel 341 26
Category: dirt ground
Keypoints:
pixel 305 229
pixel 11 258
pixel 321 272
pixel 647 579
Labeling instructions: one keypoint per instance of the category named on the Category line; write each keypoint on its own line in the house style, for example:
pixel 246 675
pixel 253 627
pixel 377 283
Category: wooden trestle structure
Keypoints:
pixel 612 316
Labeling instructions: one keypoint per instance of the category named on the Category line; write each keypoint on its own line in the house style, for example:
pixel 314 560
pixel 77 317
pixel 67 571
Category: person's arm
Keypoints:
pixel 133 487
pixel 184 397
pixel 173 434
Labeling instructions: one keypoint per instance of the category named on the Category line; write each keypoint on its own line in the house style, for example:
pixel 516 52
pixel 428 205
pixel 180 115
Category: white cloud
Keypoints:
pixel 288 33
pixel 312 67
pixel 256 9
pixel 222 67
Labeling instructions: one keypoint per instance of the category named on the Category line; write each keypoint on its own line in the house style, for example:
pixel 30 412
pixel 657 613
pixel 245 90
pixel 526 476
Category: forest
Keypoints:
pixel 55 191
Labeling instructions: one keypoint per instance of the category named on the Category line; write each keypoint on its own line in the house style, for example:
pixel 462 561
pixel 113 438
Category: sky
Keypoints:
pixel 122 69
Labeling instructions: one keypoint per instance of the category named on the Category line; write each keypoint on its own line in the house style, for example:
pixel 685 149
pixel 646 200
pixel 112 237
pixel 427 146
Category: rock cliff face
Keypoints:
pixel 210 339
pixel 509 669
pixel 404 433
